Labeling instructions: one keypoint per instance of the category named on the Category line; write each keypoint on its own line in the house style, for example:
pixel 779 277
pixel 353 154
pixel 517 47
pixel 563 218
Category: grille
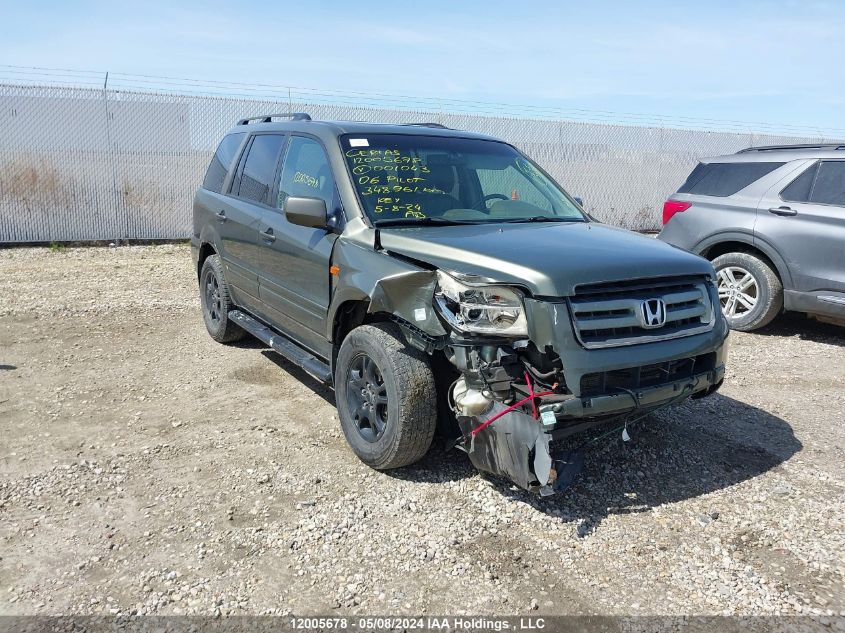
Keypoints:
pixel 646 375
pixel 611 315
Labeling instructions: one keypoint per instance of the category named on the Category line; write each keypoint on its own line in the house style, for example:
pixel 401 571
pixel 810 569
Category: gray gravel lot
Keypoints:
pixel 146 469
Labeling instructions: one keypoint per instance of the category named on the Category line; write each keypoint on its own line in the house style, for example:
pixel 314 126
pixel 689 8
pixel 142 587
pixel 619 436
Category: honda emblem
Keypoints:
pixel 653 313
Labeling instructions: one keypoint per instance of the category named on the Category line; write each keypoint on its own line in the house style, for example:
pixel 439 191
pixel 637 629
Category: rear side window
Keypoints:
pixel 829 187
pixel 724 179
pixel 799 189
pixel 221 162
pixel 259 170
pixel 822 183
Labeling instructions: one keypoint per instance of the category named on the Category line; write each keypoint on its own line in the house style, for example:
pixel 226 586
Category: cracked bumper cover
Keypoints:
pixel 518 446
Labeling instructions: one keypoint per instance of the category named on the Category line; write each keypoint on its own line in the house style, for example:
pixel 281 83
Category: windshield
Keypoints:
pixel 404 179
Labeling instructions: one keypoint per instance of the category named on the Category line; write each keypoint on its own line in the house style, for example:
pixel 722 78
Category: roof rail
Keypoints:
pixel 268 118
pixel 434 125
pixel 774 148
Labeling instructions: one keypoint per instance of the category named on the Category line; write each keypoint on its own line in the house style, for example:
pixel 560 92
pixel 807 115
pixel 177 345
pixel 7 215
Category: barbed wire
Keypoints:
pixel 67 77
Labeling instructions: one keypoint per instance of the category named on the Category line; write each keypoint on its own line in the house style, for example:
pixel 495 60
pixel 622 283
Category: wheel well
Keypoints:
pixel 206 250
pixel 349 315
pixel 740 247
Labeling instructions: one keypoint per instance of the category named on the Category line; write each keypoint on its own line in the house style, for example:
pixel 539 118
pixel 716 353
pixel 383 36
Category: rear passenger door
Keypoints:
pixel 294 281
pixel 803 217
pixel 239 215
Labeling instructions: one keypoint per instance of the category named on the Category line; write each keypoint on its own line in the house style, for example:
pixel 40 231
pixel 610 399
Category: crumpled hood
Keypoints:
pixel 549 259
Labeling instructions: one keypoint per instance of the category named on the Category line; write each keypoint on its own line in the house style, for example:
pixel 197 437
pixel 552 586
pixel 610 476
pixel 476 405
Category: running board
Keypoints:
pixel 284 346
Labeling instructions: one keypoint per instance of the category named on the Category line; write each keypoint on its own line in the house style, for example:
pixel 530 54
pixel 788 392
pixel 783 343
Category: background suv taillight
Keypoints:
pixel 671 207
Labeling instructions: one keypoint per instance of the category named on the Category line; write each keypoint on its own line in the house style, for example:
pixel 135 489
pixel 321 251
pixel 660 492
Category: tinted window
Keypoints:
pixel 306 172
pixel 724 179
pixel 221 161
pixel 829 187
pixel 259 170
pixel 799 189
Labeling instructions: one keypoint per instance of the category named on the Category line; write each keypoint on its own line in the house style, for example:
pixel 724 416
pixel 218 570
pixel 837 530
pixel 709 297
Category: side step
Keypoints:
pixel 284 346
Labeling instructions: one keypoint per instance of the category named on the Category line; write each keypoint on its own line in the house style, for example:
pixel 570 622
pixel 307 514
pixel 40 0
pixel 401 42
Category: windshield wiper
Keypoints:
pixel 420 222
pixel 543 218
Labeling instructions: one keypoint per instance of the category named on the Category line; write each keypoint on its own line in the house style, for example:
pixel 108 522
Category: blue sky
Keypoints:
pixel 776 62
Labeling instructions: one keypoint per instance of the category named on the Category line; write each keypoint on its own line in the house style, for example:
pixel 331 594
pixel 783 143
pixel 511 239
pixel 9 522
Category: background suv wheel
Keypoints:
pixel 750 292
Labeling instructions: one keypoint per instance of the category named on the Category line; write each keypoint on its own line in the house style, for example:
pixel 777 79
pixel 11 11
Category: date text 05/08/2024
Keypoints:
pixel 427 623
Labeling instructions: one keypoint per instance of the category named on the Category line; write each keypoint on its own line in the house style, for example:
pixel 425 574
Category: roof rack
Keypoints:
pixel 434 125
pixel 774 148
pixel 268 118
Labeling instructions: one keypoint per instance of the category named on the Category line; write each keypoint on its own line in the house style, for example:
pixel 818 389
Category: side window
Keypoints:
pixel 306 172
pixel 221 161
pixel 510 184
pixel 260 168
pixel 829 187
pixel 799 189
pixel 725 179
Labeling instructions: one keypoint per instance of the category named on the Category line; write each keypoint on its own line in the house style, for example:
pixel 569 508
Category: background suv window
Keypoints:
pixel 799 189
pixel 724 179
pixel 822 183
pixel 306 172
pixel 829 187
pixel 260 168
pixel 221 162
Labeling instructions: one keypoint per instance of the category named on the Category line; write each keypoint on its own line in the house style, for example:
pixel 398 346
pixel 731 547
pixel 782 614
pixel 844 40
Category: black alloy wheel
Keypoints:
pixel 366 395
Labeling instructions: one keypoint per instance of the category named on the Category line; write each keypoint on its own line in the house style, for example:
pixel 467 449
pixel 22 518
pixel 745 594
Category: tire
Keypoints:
pixel 749 290
pixel 394 425
pixel 216 302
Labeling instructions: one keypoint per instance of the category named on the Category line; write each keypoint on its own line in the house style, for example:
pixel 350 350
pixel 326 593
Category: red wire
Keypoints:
pixel 475 431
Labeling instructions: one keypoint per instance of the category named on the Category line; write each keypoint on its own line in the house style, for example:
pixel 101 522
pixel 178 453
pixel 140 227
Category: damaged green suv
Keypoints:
pixel 440 279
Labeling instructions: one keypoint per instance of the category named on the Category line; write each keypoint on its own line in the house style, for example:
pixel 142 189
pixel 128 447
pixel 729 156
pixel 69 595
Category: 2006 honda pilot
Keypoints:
pixel 422 271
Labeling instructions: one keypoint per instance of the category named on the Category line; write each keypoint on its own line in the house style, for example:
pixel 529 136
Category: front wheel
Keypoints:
pixel 750 293
pixel 386 397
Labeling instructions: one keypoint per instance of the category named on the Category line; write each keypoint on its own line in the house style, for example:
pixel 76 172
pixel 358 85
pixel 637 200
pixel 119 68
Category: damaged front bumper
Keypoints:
pixel 589 388
pixel 519 446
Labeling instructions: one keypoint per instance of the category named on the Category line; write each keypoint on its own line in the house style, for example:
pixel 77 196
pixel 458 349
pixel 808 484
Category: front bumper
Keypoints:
pixel 636 399
pixel 519 446
pixel 550 327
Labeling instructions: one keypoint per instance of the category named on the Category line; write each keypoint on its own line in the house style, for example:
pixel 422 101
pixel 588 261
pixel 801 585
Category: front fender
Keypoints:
pixel 390 284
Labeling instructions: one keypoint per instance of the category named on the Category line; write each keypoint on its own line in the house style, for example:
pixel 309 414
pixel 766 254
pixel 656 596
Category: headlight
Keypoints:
pixel 481 309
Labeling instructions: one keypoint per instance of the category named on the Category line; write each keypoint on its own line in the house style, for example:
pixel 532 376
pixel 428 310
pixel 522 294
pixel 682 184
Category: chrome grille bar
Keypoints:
pixel 609 315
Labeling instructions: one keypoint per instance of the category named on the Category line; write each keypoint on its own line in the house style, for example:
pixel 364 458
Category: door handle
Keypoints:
pixel 268 236
pixel 786 211
pixel 221 215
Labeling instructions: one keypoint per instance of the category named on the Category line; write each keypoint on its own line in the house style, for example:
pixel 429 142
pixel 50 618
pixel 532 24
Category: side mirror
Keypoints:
pixel 310 212
pixel 580 201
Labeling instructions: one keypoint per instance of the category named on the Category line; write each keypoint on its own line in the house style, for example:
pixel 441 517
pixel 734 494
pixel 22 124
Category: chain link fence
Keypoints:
pixel 86 164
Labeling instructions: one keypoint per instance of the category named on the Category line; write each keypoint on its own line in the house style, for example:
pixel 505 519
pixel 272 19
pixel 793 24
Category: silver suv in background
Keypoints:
pixel 772 221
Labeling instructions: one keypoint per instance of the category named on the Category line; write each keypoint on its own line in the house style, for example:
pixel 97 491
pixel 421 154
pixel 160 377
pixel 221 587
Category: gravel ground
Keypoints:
pixel 146 469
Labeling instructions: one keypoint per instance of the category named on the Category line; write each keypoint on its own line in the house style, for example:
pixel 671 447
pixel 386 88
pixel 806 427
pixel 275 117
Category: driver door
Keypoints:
pixel 294 278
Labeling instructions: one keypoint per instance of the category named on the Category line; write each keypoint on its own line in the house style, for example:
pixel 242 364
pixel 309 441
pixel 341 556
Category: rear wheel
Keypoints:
pixel 386 397
pixel 750 293
pixel 216 302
